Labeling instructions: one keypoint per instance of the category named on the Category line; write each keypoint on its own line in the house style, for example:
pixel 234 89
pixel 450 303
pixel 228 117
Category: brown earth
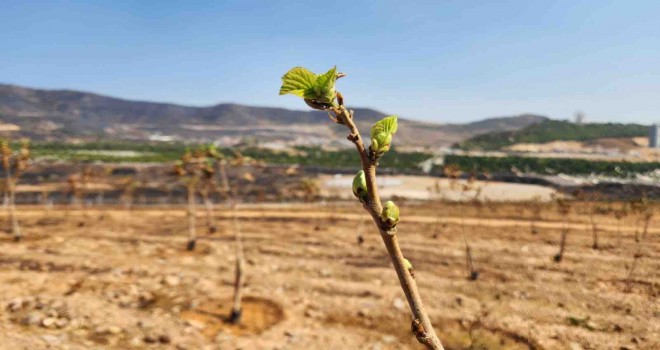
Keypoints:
pixel 123 280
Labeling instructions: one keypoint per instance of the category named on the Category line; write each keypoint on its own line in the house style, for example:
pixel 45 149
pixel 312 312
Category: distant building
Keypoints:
pixel 654 136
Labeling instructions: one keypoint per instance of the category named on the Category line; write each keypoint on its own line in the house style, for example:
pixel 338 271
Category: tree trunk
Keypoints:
pixel 15 227
pixel 208 205
pixel 594 231
pixel 562 243
pixel 192 233
pixel 236 309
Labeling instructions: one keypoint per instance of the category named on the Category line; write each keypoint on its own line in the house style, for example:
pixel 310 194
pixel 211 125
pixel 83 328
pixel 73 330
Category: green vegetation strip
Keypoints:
pixel 554 130
pixel 549 166
pixel 170 152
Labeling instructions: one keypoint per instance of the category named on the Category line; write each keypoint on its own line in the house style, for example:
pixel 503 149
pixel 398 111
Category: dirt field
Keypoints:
pixel 122 280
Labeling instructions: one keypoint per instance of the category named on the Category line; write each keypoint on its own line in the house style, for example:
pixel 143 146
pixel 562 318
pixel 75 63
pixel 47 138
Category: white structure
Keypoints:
pixel 654 136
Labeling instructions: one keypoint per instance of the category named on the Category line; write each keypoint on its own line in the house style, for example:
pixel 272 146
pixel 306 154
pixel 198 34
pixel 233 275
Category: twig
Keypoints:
pixel 421 324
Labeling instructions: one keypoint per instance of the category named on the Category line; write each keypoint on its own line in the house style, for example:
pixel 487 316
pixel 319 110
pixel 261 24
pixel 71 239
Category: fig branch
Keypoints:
pixel 318 92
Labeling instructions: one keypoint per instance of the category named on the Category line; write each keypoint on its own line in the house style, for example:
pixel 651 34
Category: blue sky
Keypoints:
pixel 444 61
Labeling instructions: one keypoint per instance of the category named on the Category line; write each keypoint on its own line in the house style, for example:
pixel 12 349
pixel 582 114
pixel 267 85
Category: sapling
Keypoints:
pixel 473 274
pixel 535 206
pixel 641 208
pixel 645 212
pixel 619 214
pixel 310 189
pixel 14 164
pixel 128 185
pixel 318 92
pixel 212 153
pixel 595 209
pixel 78 186
pixel 189 170
pixel 564 208
pixel 208 186
pixel 230 193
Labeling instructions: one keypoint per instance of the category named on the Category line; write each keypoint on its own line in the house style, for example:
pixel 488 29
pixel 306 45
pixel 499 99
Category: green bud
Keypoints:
pixel 390 213
pixel 360 186
pixel 407 264
pixel 381 134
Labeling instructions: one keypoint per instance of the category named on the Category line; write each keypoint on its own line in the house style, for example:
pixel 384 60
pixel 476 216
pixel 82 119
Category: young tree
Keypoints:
pixel 535 206
pixel 78 187
pixel 207 187
pixel 620 213
pixel 318 92
pixel 644 212
pixel 14 164
pixel 189 171
pixel 473 274
pixel 564 208
pixel 127 196
pixel 236 313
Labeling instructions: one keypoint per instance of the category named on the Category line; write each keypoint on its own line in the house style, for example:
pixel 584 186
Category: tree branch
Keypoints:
pixel 421 324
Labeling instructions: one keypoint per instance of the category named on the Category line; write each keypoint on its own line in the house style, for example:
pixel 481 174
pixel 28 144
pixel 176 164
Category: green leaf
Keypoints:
pixel 387 125
pixel 381 134
pixel 325 86
pixel 298 81
pixel 302 82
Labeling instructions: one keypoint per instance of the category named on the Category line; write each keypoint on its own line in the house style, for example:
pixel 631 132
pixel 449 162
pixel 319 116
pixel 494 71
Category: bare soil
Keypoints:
pixel 123 280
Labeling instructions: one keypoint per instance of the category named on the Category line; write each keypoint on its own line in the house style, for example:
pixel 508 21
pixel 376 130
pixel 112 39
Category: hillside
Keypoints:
pixel 64 115
pixel 553 130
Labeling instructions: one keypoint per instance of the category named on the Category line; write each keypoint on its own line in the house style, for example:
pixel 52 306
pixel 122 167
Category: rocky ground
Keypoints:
pixel 114 279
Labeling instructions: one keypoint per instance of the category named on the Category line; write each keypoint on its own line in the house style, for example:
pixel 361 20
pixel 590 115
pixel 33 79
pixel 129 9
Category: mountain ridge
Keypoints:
pixel 66 113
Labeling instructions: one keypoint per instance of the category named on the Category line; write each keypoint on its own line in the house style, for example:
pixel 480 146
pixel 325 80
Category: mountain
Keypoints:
pixel 66 115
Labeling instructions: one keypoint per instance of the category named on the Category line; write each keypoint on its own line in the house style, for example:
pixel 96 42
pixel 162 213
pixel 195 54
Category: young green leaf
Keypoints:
pixel 324 90
pixel 298 81
pixel 387 125
pixel 316 88
pixel 381 134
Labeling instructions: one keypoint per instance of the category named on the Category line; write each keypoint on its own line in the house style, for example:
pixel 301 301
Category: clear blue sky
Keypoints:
pixel 445 61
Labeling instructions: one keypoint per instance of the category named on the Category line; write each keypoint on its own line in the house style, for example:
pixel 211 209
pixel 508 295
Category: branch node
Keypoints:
pixel 390 231
pixel 418 330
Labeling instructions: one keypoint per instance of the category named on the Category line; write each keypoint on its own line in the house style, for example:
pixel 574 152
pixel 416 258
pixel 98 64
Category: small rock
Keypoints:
pixel 150 339
pixel 48 322
pixel 164 339
pixel 592 326
pixel 399 304
pixel 114 330
pixel 61 322
pixel 196 323
pixel 389 339
pixel 575 346
pixel 51 339
pixel 146 298
pixel 31 319
pixel 136 341
pixel 172 280
pixel 15 304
